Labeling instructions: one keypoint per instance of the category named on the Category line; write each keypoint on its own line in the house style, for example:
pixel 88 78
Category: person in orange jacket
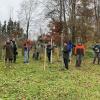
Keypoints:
pixel 79 52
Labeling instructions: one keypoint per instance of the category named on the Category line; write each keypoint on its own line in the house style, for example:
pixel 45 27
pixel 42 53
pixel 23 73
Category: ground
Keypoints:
pixel 32 82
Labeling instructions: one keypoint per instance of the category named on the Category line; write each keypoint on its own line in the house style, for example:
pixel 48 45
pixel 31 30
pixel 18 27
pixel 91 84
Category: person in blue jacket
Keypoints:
pixel 70 47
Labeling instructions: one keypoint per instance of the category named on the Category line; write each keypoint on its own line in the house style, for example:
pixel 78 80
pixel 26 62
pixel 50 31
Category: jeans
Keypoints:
pixel 26 57
pixel 79 59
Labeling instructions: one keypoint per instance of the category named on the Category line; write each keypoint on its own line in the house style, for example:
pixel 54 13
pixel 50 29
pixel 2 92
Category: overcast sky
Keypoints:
pixel 9 7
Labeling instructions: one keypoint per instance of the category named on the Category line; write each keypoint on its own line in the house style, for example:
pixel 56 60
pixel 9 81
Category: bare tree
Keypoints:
pixel 97 17
pixel 26 14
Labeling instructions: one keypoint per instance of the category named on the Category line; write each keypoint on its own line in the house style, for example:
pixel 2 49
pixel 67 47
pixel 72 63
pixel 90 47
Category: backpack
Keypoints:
pixel 97 48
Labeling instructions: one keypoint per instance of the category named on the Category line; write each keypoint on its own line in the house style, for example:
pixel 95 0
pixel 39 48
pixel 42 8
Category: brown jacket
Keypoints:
pixel 8 51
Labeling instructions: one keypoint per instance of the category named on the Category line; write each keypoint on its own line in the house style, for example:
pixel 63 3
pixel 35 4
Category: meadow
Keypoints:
pixel 32 82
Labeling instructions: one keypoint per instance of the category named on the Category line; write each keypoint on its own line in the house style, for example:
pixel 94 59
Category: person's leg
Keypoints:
pixel 14 58
pixel 98 58
pixel 95 56
pixel 10 62
pixel 77 61
pixel 70 57
pixel 49 57
pixel 80 60
pixel 37 55
pixel 66 63
pixel 25 56
pixel 6 65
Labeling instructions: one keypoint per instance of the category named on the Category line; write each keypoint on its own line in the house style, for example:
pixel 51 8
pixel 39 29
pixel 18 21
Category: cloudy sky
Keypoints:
pixel 9 7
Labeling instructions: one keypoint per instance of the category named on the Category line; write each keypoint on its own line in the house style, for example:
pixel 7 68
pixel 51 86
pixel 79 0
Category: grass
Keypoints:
pixel 31 82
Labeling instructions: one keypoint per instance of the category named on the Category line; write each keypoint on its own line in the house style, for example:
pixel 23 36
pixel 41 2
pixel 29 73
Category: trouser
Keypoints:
pixel 70 55
pixel 28 54
pixel 49 57
pixel 14 59
pixel 8 62
pixel 96 56
pixel 79 58
pixel 66 61
pixel 37 55
pixel 26 57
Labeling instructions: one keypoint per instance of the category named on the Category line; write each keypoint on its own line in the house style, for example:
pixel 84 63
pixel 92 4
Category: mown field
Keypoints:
pixel 31 82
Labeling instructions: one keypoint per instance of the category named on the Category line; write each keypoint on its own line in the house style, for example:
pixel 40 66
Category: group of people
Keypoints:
pixel 10 49
pixel 78 50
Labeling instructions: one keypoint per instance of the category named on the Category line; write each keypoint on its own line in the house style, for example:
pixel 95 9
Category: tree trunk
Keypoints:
pixel 27 30
pixel 73 18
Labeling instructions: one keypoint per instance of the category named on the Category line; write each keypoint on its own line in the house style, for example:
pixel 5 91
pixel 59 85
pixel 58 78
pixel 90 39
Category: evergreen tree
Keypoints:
pixel 4 28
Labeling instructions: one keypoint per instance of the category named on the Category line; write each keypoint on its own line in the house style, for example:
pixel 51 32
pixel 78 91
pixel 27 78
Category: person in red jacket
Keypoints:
pixel 79 52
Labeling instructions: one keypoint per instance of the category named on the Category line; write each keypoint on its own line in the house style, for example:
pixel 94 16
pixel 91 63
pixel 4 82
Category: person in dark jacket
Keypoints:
pixel 49 49
pixel 66 55
pixel 14 51
pixel 96 50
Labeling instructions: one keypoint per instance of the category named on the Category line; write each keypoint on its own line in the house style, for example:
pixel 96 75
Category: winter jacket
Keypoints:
pixel 79 50
pixel 70 46
pixel 65 52
pixel 49 48
pixel 8 51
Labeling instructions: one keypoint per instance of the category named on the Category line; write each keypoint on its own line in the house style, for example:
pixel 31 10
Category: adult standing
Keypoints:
pixel 14 50
pixel 26 55
pixel 48 49
pixel 38 48
pixel 66 55
pixel 70 46
pixel 96 50
pixel 79 52
pixel 8 53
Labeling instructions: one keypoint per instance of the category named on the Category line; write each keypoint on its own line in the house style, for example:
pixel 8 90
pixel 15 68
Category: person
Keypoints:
pixel 38 47
pixel 15 53
pixel 49 49
pixel 79 52
pixel 96 50
pixel 34 53
pixel 8 53
pixel 26 56
pixel 66 51
pixel 29 47
pixel 70 46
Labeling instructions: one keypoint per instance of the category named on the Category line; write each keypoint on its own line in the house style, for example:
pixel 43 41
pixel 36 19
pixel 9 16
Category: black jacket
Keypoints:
pixel 65 52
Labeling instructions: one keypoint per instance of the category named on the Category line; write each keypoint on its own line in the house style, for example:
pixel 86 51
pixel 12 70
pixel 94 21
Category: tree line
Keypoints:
pixel 11 29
